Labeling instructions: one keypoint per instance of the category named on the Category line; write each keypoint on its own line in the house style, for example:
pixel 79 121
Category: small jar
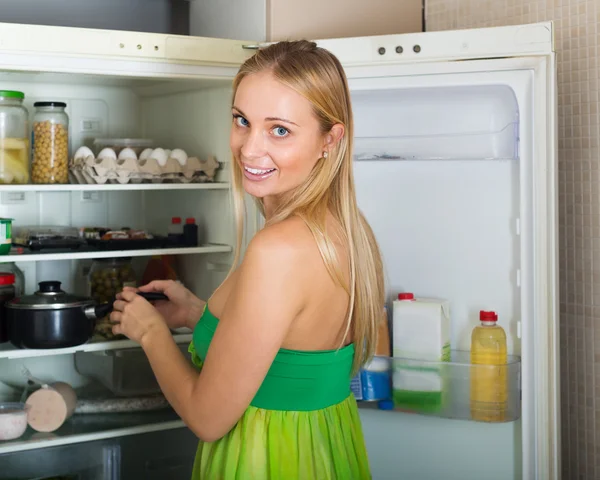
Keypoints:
pixel 14 138
pixel 50 143
pixel 7 293
pixel 11 267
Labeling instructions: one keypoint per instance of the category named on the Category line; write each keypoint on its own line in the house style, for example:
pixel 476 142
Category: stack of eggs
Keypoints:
pixel 153 165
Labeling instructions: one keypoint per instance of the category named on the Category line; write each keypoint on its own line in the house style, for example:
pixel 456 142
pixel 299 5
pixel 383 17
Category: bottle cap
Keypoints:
pixel 485 316
pixel 406 296
pixel 176 220
pixel 190 221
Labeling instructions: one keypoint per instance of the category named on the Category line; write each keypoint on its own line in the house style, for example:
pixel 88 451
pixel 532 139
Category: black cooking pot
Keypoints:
pixel 51 318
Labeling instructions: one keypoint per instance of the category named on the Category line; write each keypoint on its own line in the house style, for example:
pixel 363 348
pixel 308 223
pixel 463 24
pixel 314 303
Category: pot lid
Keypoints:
pixel 49 296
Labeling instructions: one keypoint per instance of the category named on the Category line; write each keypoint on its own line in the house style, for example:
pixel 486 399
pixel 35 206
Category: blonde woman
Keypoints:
pixel 279 340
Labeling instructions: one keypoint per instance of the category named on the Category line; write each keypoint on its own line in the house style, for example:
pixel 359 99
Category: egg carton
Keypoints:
pixel 90 170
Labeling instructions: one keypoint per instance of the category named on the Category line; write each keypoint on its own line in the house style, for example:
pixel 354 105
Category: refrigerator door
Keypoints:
pixel 455 170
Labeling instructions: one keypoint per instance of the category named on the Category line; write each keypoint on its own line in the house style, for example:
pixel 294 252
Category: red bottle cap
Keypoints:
pixel 190 221
pixel 176 220
pixel 488 316
pixel 7 278
pixel 406 296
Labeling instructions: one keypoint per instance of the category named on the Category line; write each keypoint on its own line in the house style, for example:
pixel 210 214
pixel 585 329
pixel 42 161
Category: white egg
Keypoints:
pixel 83 152
pixel 107 153
pixel 160 156
pixel 179 155
pixel 167 152
pixel 145 154
pixel 126 154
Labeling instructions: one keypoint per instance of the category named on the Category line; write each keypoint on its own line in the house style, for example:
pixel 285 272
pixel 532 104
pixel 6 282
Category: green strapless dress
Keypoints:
pixel 302 424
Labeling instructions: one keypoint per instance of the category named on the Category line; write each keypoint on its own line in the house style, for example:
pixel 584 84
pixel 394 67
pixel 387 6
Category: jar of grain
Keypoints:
pixel 50 143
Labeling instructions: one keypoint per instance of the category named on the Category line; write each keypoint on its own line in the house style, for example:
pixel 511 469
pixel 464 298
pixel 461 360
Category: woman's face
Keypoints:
pixel 275 136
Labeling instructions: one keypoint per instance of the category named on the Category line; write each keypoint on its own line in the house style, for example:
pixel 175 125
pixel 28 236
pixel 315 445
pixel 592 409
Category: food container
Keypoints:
pixel 107 277
pixel 51 318
pixel 51 406
pixel 14 138
pixel 5 235
pixel 13 420
pixel 39 238
pixel 7 293
pixel 50 143
pixel 118 144
pixel 124 372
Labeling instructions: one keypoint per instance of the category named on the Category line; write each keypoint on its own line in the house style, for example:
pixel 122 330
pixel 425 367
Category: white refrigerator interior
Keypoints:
pixel 455 170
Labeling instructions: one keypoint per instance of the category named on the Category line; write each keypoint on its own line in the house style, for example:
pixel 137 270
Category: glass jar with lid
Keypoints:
pixel 106 278
pixel 14 138
pixel 50 143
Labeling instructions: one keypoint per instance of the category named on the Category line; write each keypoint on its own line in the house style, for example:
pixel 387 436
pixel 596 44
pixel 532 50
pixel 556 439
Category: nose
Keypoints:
pixel 254 144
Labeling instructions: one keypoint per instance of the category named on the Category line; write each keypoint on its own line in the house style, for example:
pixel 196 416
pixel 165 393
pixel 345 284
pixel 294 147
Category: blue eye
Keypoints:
pixel 280 131
pixel 240 121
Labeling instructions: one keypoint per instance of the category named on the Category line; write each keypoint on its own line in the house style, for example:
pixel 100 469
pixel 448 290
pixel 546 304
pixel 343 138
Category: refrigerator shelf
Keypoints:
pixel 91 254
pixel 483 145
pixel 90 427
pixel 443 389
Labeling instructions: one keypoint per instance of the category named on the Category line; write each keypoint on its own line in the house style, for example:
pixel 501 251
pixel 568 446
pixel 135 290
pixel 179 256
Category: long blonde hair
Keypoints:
pixel 317 75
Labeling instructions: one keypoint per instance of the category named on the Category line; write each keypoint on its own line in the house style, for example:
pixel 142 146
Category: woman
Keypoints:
pixel 279 340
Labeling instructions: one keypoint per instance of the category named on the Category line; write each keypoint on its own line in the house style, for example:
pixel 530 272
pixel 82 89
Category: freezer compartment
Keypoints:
pixel 125 372
pixel 458 389
pixel 436 123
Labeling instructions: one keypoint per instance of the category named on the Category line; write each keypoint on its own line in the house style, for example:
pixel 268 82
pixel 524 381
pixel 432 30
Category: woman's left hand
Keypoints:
pixel 135 317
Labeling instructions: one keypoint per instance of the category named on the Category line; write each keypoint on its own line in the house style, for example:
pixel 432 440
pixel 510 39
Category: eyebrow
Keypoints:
pixel 269 119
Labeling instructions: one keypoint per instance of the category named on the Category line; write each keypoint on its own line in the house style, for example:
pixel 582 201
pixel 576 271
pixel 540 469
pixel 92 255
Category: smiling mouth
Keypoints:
pixel 258 171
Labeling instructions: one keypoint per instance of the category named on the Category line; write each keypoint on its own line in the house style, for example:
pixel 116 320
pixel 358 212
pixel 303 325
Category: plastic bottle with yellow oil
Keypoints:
pixel 489 387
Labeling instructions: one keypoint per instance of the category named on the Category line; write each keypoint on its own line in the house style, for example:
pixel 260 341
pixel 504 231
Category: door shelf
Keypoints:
pixel 485 145
pixel 90 427
pixel 443 389
pixel 80 255
pixel 7 350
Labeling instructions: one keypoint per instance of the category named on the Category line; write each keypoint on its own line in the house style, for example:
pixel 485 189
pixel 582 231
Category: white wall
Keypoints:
pixel 136 15
pixel 236 19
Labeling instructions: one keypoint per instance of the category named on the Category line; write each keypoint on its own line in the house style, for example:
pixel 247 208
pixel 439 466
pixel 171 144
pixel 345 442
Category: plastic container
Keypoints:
pixel 421 331
pixel 373 382
pixel 13 420
pixel 14 138
pixel 7 293
pixel 125 372
pixel 488 384
pixel 46 237
pixel 50 143
pixel 118 144
pixel 190 232
pixel 5 235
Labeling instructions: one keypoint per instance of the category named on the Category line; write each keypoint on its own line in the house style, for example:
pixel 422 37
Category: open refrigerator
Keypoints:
pixel 455 169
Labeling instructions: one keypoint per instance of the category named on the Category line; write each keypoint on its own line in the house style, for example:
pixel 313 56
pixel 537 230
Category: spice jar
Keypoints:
pixel 7 293
pixel 107 277
pixel 14 138
pixel 50 143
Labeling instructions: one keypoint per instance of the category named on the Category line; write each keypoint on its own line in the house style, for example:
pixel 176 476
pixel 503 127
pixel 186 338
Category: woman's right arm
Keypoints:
pixel 183 309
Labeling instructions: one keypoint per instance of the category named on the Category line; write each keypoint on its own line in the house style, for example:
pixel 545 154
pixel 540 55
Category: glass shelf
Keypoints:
pixel 447 389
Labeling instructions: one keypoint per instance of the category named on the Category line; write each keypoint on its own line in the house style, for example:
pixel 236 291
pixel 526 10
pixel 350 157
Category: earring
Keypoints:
pixel 325 154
